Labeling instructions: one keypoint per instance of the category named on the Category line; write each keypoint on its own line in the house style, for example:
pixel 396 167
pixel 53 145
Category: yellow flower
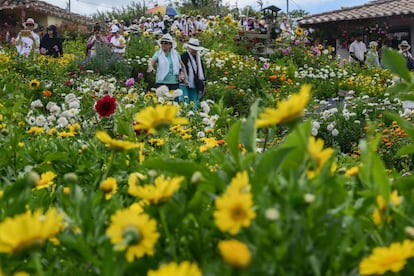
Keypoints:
pixel 46 180
pixel 160 192
pixel 299 31
pixel 385 259
pixel 378 216
pixel 109 187
pixel 318 154
pixel 158 117
pixel 233 211
pixel 34 84
pixel 182 269
pixel 235 253
pixel 133 231
pixel 352 171
pixel 36 130
pixel 113 143
pixel 208 144
pixel 239 184
pixel 141 155
pixel 29 230
pixel 286 111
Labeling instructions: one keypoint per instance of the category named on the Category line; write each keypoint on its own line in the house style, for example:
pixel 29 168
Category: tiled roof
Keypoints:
pixel 45 8
pixel 373 9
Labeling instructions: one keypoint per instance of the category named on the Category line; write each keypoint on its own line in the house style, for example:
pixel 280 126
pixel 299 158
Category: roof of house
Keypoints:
pixel 373 9
pixel 43 7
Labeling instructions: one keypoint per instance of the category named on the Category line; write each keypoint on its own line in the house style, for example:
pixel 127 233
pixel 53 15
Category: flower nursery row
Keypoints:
pixel 275 173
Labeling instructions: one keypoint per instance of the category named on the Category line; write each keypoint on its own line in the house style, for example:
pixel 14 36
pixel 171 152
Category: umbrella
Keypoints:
pixel 164 10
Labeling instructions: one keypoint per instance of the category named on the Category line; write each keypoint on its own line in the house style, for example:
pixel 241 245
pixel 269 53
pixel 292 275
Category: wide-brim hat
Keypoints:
pixel 404 43
pixel 134 29
pixel 194 44
pixel 168 38
pixel 30 21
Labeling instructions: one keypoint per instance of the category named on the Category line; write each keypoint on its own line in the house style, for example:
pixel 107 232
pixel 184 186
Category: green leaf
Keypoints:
pixel 407 149
pixel 232 140
pixel 397 88
pixel 396 63
pixel 248 129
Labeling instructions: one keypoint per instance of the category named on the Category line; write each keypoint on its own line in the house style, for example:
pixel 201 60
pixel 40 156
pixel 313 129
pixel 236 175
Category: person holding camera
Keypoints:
pixel 357 50
pixel 27 41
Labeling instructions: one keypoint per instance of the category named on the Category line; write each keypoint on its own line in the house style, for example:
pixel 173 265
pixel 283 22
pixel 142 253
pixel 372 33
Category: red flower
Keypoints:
pixel 106 106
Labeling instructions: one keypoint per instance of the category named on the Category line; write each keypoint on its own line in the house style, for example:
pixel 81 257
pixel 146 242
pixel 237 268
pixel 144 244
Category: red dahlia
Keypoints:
pixel 106 106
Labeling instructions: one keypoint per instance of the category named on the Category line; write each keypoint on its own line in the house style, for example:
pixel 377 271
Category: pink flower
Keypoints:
pixel 105 106
pixel 130 82
pixel 140 75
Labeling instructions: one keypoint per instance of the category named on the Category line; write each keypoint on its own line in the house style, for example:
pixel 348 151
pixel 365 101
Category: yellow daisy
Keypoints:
pixel 208 143
pixel 159 192
pixel 287 110
pixel 133 231
pixel 378 216
pixel 235 253
pixel 239 184
pixel 36 130
pixel 352 171
pixel 29 230
pixel 109 187
pixel 299 31
pixel 318 154
pixel 34 84
pixel 383 259
pixel 113 143
pixel 46 180
pixel 182 269
pixel 234 211
pixel 158 117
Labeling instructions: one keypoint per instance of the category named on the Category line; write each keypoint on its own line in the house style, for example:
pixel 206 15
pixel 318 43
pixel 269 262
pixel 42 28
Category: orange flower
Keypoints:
pixel 282 79
pixel 289 81
pixel 220 142
pixel 350 83
pixel 273 77
pixel 47 93
pixel 226 73
pixel 385 130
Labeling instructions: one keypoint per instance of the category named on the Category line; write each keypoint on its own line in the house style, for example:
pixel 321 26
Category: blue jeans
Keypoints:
pixel 189 95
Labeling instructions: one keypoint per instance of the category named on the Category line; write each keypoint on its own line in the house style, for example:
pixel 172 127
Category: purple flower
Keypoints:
pixel 297 42
pixel 306 40
pixel 140 75
pixel 56 48
pixel 130 82
pixel 285 52
pixel 266 66
pixel 43 51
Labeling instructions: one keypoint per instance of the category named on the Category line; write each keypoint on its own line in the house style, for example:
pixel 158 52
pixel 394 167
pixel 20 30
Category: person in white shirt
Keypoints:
pixel 357 50
pixel 27 41
pixel 117 42
pixel 285 26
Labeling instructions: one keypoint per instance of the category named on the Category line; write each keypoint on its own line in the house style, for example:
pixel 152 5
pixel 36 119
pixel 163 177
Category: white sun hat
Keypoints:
pixel 194 44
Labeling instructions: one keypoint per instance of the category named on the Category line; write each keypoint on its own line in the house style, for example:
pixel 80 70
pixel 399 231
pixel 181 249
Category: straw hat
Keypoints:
pixel 30 21
pixel 404 43
pixel 194 44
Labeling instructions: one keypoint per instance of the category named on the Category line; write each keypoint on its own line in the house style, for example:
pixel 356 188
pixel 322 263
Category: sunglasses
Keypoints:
pixel 165 42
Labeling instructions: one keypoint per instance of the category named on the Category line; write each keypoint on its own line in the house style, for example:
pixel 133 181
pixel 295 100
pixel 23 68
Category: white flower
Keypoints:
pixel 331 126
pixel 314 132
pixel 36 104
pixel 40 120
pixel 62 122
pixel 309 198
pixel 205 107
pixel 190 113
pixel 31 120
pixel 74 104
pixel 335 132
pixel 201 134
pixel 162 91
pixel 70 98
pixel 272 214
pixel 315 125
pixel 51 118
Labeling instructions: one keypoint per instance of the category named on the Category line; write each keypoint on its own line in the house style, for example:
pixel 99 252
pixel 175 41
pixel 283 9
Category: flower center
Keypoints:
pixel 131 235
pixel 237 213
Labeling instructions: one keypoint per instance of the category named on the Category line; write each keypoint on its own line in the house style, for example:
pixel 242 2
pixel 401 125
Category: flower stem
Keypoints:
pixel 36 259
pixel 168 234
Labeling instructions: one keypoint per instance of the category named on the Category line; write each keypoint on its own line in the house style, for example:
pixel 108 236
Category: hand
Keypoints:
pixel 150 69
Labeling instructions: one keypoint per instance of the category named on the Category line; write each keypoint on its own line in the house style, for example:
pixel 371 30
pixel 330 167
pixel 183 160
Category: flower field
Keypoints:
pixel 275 173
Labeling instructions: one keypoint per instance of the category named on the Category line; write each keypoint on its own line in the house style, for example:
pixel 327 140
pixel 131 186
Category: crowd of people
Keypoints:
pixel 370 57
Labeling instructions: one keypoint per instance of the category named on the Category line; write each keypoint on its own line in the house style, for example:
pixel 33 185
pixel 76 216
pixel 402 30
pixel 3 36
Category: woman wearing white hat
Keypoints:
pixel 169 64
pixel 27 41
pixel 405 51
pixel 196 81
